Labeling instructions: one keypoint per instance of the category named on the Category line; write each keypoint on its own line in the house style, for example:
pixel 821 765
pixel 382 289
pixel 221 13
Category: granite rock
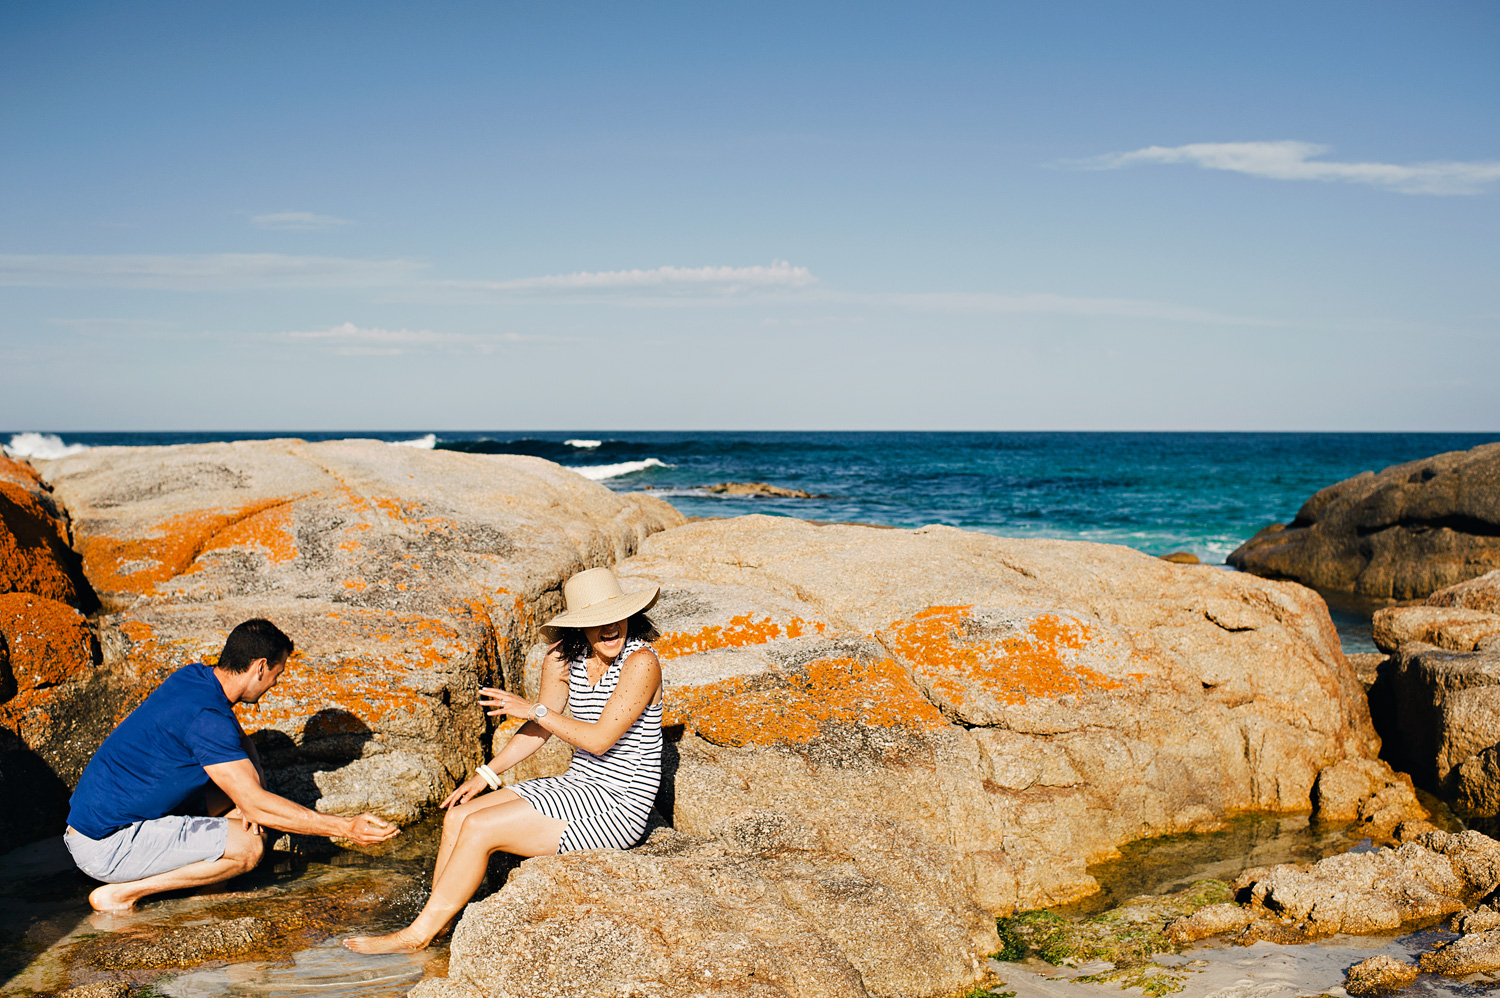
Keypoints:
pixel 1380 974
pixel 1403 533
pixel 407 579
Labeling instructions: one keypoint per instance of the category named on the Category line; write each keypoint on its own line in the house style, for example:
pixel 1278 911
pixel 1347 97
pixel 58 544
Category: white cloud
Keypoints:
pixel 349 340
pixel 1294 161
pixel 1047 304
pixel 297 221
pixel 778 275
pixel 207 272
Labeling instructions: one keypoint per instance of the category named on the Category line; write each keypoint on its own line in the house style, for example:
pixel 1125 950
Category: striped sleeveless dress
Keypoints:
pixel 605 799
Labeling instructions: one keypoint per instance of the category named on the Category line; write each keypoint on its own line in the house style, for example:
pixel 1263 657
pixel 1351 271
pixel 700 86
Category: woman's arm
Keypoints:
pixel 640 678
pixel 525 741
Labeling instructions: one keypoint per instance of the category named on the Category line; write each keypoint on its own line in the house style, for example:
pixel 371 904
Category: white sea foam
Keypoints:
pixel 423 443
pixel 586 444
pixel 42 446
pixel 599 472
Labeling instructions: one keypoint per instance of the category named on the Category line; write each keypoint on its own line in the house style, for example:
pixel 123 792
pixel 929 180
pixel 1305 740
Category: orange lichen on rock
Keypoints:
pixel 797 707
pixel 741 631
pixel 34 554
pixel 1029 664
pixel 47 644
pixel 269 531
pixel 139 564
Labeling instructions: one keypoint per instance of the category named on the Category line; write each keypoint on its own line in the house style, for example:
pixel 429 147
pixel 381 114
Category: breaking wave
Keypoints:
pixel 599 472
pixel 422 443
pixel 42 446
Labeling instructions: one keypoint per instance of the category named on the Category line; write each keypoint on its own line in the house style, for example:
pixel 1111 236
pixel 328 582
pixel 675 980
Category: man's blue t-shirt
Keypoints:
pixel 154 760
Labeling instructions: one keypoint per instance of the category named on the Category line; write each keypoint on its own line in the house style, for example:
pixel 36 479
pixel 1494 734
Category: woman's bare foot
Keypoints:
pixel 110 898
pixel 396 942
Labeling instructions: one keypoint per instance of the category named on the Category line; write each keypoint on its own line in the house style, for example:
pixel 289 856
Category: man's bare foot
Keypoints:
pixel 396 942
pixel 109 898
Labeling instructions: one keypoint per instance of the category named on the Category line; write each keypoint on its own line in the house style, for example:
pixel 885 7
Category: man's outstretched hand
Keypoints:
pixel 367 830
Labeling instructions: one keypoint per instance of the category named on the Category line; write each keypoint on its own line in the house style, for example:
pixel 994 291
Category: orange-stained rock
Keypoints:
pixel 406 578
pixel 34 552
pixel 1027 705
pixel 51 697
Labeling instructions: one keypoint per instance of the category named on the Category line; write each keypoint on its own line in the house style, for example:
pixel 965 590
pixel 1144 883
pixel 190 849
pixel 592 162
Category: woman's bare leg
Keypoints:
pixel 454 820
pixel 511 826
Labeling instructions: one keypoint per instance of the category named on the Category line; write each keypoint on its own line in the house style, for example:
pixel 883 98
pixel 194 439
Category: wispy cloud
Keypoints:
pixel 1042 304
pixel 207 272
pixel 349 340
pixel 1295 161
pixel 297 221
pixel 778 275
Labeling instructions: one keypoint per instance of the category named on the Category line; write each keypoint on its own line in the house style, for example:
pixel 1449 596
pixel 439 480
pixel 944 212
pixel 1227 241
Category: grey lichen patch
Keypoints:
pixel 1125 936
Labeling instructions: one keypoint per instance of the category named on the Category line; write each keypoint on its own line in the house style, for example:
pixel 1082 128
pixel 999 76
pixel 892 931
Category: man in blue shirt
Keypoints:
pixel 174 797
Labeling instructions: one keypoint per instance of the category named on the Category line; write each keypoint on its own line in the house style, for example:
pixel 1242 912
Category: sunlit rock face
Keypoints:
pixel 922 728
pixel 1028 704
pixel 1403 533
pixel 407 579
pixel 49 658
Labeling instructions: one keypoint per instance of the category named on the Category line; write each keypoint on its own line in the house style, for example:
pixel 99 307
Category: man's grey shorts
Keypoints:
pixel 147 848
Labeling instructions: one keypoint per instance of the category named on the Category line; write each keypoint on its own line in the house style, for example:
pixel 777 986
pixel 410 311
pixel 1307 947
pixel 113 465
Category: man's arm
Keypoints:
pixel 241 782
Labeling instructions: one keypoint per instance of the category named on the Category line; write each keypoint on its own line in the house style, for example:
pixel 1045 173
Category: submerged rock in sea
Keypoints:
pixel 763 489
pixel 1379 975
pixel 1404 533
pixel 407 579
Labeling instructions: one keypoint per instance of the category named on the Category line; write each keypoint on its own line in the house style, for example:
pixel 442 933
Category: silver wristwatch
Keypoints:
pixel 538 712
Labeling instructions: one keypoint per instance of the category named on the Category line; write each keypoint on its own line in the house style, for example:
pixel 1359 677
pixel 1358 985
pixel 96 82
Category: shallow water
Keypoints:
pixel 47 929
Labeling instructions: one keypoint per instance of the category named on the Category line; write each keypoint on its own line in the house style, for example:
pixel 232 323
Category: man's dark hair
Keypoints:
pixel 251 640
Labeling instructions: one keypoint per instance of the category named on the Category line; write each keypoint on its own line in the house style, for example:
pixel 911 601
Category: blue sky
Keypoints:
pixel 779 216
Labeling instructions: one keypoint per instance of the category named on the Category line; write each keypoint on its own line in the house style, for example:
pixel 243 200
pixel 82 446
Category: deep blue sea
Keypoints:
pixel 1203 493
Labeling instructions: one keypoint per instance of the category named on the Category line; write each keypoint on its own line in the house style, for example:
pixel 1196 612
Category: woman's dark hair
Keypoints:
pixel 574 644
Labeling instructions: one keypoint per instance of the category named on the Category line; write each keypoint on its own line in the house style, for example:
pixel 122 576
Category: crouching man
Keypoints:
pixel 174 798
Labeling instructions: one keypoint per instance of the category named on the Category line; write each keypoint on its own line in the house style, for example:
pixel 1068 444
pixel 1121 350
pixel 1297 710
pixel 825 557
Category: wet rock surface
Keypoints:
pixel 51 942
pixel 407 578
pixel 1380 974
pixel 1403 533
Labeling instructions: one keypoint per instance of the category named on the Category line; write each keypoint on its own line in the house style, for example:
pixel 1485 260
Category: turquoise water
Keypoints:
pixel 1204 493
pixel 1158 492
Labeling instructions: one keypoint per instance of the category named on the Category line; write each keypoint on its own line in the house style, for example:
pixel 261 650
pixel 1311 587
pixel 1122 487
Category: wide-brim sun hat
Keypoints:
pixel 594 598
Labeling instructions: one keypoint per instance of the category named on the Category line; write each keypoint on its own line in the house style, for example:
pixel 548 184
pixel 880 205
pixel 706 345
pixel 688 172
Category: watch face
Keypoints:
pixel 541 710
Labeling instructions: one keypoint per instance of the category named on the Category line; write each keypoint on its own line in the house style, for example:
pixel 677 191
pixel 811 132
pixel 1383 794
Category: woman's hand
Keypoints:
pixel 505 703
pixel 466 791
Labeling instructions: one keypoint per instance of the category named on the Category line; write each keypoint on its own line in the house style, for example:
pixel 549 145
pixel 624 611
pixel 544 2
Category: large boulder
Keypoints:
pixel 407 579
pixel 994 714
pixel 1404 533
pixel 48 656
pixel 34 553
pixel 1030 704
pixel 1446 732
pixel 50 698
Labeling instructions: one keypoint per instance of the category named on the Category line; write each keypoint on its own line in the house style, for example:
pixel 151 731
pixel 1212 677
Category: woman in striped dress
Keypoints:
pixel 600 667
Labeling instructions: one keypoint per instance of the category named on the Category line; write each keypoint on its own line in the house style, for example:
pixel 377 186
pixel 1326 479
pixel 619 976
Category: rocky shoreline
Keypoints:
pixel 879 740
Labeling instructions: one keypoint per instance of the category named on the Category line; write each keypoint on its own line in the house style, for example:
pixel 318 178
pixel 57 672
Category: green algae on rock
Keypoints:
pixel 1128 935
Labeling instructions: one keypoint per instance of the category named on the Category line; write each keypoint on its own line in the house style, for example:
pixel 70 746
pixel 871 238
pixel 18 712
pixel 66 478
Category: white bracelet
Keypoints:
pixel 488 775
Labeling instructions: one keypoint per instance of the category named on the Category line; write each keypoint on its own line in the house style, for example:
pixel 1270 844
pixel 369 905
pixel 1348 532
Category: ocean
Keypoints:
pixel 1203 493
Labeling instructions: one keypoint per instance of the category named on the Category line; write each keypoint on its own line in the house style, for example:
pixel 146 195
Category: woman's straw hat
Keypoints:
pixel 594 598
